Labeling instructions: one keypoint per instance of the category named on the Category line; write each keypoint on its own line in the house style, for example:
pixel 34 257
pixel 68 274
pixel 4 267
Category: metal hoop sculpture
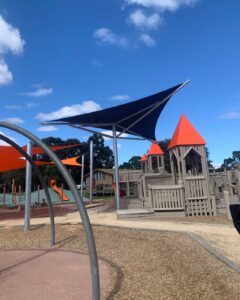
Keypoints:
pixel 83 213
pixel 41 179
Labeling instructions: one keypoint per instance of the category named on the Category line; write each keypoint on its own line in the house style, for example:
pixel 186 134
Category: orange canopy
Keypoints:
pixel 155 149
pixel 185 134
pixel 10 158
pixel 71 161
pixel 144 157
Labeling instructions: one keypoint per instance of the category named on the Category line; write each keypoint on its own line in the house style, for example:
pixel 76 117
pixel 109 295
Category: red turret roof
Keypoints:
pixel 144 157
pixel 155 150
pixel 185 134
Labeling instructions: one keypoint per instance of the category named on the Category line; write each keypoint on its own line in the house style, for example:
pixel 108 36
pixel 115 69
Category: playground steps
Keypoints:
pixel 133 213
pixel 169 214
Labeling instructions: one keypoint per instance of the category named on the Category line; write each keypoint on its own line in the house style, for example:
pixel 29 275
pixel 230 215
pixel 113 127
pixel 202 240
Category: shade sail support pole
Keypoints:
pixel 82 174
pixel 91 173
pixel 28 187
pixel 115 150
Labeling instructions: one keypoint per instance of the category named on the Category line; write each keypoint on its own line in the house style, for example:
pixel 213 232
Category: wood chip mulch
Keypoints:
pixel 143 264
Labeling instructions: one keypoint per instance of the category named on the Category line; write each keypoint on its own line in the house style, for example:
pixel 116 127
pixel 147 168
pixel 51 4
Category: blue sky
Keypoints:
pixel 60 58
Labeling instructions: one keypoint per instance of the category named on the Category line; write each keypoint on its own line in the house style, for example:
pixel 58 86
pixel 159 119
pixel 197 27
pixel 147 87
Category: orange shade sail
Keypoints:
pixel 71 161
pixel 185 134
pixel 10 158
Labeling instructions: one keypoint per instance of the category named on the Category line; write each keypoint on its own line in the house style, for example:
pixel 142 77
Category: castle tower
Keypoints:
pixel 187 151
pixel 155 159
pixel 143 162
pixel 189 166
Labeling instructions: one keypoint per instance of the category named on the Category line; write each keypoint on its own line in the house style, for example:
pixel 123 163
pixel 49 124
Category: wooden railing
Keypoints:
pixel 129 176
pixel 155 179
pixel 198 200
pixel 166 198
pixel 196 187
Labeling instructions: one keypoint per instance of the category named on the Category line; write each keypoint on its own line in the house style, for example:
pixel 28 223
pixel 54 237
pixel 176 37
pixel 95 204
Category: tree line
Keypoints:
pixel 103 158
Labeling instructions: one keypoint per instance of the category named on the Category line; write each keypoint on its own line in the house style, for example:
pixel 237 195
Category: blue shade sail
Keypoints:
pixel 137 117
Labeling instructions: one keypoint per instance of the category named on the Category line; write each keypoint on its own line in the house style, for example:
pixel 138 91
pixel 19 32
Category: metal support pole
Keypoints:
pixel 91 172
pixel 82 175
pixel 115 150
pixel 28 186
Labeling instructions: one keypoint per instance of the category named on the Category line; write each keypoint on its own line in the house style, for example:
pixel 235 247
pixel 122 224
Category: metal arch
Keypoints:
pixel 41 179
pixel 83 213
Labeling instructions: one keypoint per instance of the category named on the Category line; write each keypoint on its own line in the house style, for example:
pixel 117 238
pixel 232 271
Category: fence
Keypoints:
pixel 168 197
pixel 198 200
pixel 220 181
pixel 129 175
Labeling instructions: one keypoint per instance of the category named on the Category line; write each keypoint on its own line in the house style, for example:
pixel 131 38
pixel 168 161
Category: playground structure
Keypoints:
pixel 60 192
pixel 189 189
pixel 186 189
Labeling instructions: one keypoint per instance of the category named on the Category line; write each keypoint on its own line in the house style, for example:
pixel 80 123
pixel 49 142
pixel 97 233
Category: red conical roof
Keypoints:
pixel 185 134
pixel 155 149
pixel 144 157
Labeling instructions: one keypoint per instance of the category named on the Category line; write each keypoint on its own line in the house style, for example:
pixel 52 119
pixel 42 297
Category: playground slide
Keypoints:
pixel 57 190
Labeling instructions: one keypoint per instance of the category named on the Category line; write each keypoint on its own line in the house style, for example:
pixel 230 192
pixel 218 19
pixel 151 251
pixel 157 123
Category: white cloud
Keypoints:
pixel 147 40
pixel 118 145
pixel 2 143
pixel 10 41
pixel 10 38
pixel 14 120
pixel 40 92
pixel 120 97
pixel 30 105
pixel 142 21
pixel 230 115
pixel 5 75
pixel 47 128
pixel 106 36
pixel 163 5
pixel 96 63
pixel 68 111
pixel 109 132
pixel 13 106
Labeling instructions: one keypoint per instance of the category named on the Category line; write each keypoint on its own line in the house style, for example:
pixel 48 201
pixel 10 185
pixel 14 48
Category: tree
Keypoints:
pixel 230 162
pixel 164 146
pixel 133 163
pixel 103 155
pixel 209 161
pixel 103 158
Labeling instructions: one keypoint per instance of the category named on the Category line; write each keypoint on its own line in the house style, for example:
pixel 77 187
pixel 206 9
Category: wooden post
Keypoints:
pixel 62 192
pixel 144 187
pixel 229 182
pixel 14 194
pixel 4 195
pixel 38 190
pixel 19 197
pixel 13 184
pixel 227 202
pixel 238 182
pixel 128 189
pixel 214 206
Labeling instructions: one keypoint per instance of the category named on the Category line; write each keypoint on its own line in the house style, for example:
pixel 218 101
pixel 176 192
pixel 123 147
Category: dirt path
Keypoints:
pixel 223 237
pixel 143 264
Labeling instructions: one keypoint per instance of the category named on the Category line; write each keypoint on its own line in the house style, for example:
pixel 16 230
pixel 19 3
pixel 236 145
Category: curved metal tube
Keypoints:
pixel 83 213
pixel 41 179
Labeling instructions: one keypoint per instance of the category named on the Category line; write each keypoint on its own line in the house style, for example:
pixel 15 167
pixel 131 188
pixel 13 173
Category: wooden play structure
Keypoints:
pixel 189 189
pixel 186 189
